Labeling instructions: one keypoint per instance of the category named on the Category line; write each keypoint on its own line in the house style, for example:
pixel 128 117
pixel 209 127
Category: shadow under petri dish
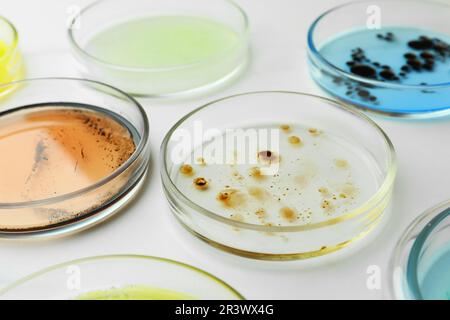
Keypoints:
pixel 51 150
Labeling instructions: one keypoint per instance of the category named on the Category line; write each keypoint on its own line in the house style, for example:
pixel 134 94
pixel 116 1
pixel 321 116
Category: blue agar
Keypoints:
pixel 386 52
pixel 435 284
pixel 428 271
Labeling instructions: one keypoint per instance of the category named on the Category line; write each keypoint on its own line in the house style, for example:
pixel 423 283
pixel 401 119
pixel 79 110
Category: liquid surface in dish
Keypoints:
pixel 397 55
pixel 51 150
pixel 138 292
pixel 435 284
pixel 318 176
pixel 162 41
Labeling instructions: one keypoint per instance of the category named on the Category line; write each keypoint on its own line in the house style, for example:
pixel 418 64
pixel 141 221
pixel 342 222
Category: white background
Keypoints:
pixel 278 32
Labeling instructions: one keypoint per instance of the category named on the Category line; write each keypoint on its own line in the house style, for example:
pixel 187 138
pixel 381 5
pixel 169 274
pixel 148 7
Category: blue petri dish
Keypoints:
pixel 421 262
pixel 387 56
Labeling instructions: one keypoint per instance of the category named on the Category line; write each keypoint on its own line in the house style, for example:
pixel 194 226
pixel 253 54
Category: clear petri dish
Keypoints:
pixel 120 277
pixel 161 48
pixel 73 153
pixel 11 64
pixel 420 264
pixel 386 56
pixel 277 175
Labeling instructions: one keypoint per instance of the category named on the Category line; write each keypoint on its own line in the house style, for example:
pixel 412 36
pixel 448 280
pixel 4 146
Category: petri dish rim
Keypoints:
pixel 140 148
pixel 382 190
pixel 314 51
pixel 13 47
pixel 243 35
pixel 183 265
pixel 418 231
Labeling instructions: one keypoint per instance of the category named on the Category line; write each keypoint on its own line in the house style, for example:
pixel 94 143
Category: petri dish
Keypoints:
pixel 11 64
pixel 277 175
pixel 161 48
pixel 120 277
pixel 73 153
pixel 420 264
pixel 390 57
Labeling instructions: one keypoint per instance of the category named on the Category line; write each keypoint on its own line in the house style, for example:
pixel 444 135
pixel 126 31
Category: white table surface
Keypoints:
pixel 278 31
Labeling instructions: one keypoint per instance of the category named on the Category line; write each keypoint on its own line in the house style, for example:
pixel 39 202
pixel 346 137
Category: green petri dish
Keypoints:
pixel 161 48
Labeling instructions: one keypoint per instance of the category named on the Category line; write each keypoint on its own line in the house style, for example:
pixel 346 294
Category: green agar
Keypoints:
pixel 135 292
pixel 162 41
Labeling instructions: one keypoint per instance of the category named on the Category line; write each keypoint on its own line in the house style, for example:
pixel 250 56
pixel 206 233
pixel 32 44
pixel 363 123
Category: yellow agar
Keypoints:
pixel 135 292
pixel 11 65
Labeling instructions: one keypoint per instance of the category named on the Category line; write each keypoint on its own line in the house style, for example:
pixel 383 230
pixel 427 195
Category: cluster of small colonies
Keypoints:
pixel 427 51
pixel 270 200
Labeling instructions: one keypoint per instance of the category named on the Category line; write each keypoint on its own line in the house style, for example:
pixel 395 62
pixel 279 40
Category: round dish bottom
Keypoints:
pixel 195 91
pixel 281 257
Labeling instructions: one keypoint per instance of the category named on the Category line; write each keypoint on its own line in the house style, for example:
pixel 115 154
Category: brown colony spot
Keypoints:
pixel 255 173
pixel 201 183
pixel 294 140
pixel 201 161
pixel 341 163
pixel 324 191
pixel 288 214
pixel 231 198
pixel 237 175
pixel 268 156
pixel 349 190
pixel 187 170
pixel 286 128
pixel 258 193
pixel 327 206
pixel 261 213
pixel 314 132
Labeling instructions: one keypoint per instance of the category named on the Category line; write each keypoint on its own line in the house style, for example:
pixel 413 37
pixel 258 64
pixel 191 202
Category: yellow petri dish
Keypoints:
pixel 120 277
pixel 11 63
